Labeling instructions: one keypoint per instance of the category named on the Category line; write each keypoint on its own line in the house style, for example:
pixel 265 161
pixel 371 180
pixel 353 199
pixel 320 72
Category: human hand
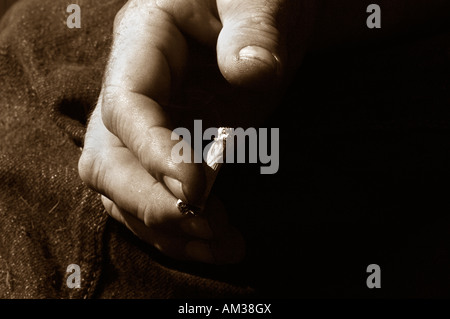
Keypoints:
pixel 160 58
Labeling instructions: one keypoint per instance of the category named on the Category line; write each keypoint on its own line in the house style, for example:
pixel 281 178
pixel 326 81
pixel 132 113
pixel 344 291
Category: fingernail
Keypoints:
pixel 198 227
pixel 200 251
pixel 258 53
pixel 176 187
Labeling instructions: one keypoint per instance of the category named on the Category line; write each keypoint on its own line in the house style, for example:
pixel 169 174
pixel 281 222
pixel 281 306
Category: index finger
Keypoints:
pixel 147 56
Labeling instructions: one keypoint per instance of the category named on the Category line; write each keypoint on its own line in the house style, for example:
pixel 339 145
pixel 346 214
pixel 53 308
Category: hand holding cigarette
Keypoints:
pixel 127 149
pixel 253 47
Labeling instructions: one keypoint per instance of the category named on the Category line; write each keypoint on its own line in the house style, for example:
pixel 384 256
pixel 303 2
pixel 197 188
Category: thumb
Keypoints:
pixel 250 50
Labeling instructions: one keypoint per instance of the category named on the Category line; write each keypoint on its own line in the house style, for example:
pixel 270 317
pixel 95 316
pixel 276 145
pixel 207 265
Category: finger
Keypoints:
pixel 226 250
pixel 197 18
pixel 112 170
pixel 178 247
pixel 147 56
pixel 249 48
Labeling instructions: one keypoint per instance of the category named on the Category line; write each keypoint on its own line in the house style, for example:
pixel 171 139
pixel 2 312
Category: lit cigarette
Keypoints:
pixel 214 160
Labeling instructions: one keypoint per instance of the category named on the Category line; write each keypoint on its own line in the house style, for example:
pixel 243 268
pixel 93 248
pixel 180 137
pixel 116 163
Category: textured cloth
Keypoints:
pixel 364 170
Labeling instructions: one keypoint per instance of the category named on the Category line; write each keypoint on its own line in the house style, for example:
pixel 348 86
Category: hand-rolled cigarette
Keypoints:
pixel 214 161
pixel 216 156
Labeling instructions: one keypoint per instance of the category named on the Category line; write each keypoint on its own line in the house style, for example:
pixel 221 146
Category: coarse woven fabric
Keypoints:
pixel 364 170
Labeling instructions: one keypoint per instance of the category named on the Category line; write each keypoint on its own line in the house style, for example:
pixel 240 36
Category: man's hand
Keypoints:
pixel 162 55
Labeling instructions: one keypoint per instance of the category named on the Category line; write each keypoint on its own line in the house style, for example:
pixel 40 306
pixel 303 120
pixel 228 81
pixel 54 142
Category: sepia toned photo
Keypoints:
pixel 252 150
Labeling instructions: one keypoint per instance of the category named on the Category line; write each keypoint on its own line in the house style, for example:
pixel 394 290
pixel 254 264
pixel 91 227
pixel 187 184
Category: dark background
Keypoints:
pixel 364 171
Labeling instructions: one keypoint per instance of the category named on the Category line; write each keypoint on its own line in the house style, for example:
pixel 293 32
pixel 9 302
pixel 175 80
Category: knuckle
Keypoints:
pixel 263 24
pixel 263 17
pixel 109 95
pixel 148 215
pixel 257 17
pixel 155 216
pixel 110 113
pixel 146 146
pixel 90 168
